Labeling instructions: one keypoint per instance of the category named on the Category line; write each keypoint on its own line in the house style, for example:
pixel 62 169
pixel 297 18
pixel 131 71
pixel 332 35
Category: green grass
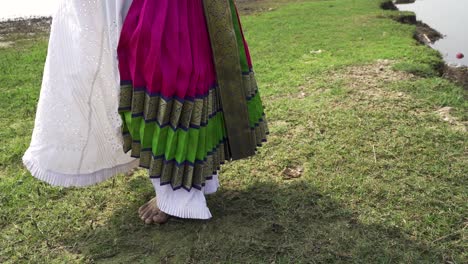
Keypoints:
pixel 384 177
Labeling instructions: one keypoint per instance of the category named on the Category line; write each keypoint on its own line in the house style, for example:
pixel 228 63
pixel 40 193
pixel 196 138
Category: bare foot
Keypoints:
pixel 150 213
pixel 131 172
pixel 161 218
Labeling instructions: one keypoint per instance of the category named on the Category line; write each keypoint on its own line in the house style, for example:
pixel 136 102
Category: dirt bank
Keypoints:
pixel 25 26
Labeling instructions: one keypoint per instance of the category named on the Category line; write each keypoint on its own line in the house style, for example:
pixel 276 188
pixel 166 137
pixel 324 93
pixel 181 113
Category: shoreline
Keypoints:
pixel 426 35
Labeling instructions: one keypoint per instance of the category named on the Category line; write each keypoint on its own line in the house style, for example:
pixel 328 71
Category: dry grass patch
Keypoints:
pixel 445 113
pixel 371 80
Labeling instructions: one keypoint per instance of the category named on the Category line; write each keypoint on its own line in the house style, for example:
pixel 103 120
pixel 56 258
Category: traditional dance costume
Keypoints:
pixel 187 100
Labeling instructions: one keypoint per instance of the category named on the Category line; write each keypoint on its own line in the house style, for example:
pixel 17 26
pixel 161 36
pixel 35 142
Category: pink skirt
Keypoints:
pixel 165 48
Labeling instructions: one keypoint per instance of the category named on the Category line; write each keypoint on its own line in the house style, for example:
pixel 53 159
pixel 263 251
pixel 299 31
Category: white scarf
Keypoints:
pixel 77 139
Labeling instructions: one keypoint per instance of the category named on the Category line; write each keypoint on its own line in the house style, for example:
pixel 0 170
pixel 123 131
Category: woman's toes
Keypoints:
pixel 148 211
pixel 148 220
pixel 142 208
pixel 147 214
pixel 161 218
pixel 141 212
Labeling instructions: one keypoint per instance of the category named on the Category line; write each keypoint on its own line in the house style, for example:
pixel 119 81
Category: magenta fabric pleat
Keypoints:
pixel 246 46
pixel 165 48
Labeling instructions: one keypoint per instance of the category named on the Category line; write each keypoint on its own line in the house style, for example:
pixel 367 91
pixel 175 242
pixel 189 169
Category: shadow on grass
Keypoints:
pixel 287 222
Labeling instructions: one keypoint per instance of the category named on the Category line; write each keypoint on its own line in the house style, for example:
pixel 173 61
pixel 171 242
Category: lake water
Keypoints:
pixel 26 8
pixel 450 18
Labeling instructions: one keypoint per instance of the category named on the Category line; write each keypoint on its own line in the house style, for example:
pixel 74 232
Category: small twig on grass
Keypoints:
pixel 447 236
pixel 375 155
pixel 427 39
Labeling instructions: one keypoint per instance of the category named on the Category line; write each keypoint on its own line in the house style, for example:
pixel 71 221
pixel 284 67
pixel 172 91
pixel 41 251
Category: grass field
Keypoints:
pixel 357 111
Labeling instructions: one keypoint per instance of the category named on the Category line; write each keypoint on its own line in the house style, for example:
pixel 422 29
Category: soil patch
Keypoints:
pixel 371 79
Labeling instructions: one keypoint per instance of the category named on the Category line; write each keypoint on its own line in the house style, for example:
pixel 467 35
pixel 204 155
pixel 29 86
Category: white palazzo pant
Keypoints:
pixel 77 137
pixel 182 203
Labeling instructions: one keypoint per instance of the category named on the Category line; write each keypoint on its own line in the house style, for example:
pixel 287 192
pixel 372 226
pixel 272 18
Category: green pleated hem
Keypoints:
pixel 179 144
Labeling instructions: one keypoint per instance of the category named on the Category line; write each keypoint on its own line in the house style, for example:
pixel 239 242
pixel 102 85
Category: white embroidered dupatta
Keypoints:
pixel 77 139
